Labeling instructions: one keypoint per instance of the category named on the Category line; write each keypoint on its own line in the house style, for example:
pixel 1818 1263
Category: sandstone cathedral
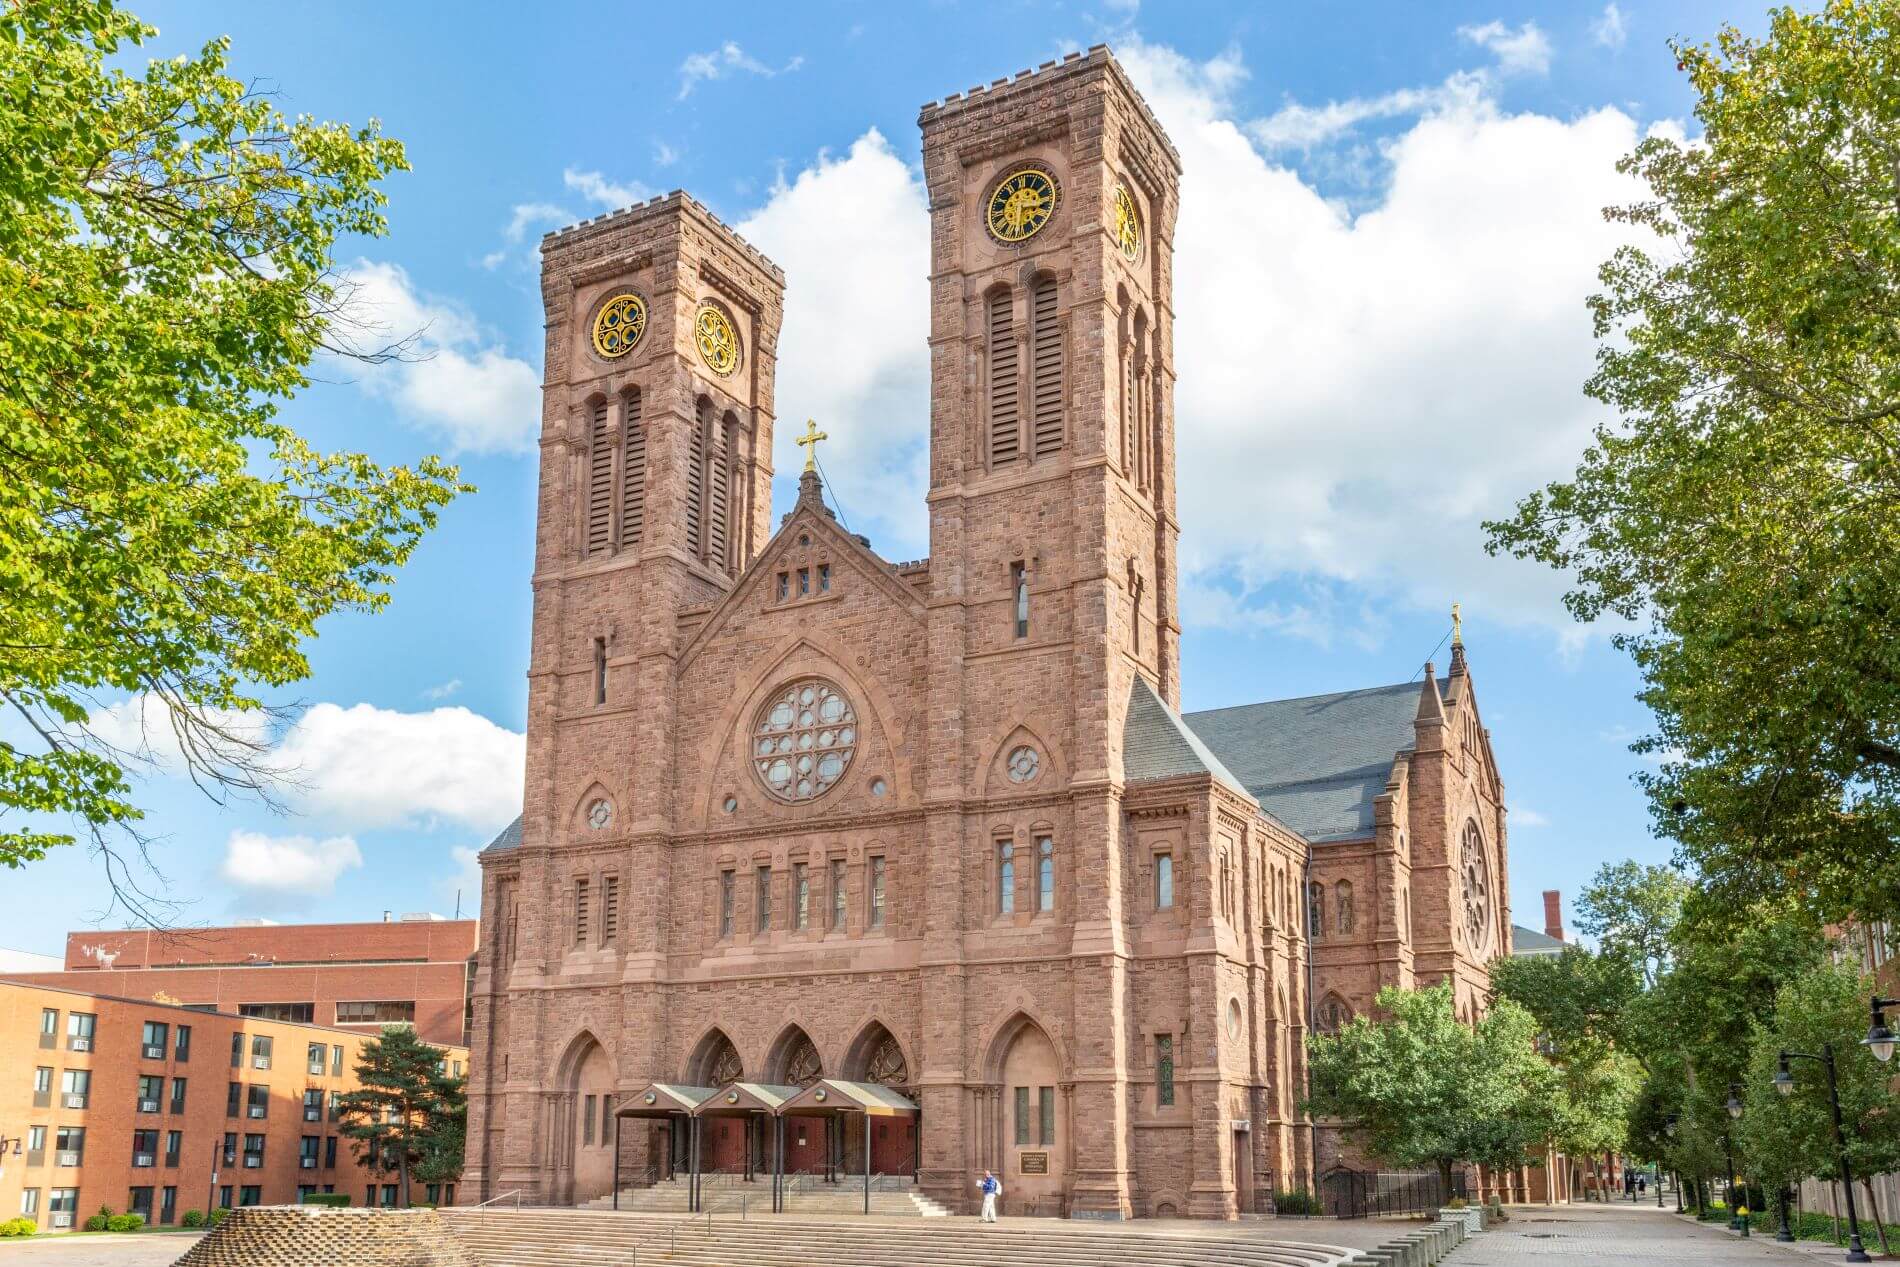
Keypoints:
pixel 797 816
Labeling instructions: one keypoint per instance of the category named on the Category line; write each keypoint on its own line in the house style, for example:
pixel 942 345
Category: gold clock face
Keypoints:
pixel 718 341
pixel 1127 223
pixel 1021 204
pixel 619 324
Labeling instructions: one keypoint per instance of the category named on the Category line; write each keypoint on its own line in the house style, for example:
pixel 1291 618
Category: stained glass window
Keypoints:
pixel 804 740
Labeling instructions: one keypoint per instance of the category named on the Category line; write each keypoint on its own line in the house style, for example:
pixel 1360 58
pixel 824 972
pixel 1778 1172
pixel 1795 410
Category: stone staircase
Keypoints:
pixel 560 1238
pixel 804 1195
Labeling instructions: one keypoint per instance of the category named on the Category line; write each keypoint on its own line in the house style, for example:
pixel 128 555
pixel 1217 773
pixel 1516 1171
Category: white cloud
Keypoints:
pixel 610 194
pixel 374 767
pixel 1525 816
pixel 456 380
pixel 1301 126
pixel 465 881
pixel 287 868
pixel 1358 392
pixel 443 690
pixel 1523 51
pixel 664 155
pixel 720 62
pixel 142 726
pixel 857 314
pixel 1612 28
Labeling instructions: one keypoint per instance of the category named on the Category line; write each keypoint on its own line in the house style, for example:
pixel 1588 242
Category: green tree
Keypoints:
pixel 1425 1089
pixel 409 1114
pixel 1741 509
pixel 165 282
pixel 1579 997
pixel 1632 910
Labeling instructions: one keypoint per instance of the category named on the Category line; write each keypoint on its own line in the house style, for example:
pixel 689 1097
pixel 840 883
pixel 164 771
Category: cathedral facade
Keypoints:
pixel 794 811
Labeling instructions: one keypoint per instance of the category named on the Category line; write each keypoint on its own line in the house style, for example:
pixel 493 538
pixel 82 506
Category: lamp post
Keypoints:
pixel 1669 1129
pixel 1784 1083
pixel 1734 1107
pixel 1880 1039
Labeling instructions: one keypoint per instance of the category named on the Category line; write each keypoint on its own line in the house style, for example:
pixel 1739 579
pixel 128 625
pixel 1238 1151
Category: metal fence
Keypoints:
pixel 1371 1194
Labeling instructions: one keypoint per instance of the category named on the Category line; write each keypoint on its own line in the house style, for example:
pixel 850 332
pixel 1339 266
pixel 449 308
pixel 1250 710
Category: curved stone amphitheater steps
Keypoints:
pixel 669 1197
pixel 561 1238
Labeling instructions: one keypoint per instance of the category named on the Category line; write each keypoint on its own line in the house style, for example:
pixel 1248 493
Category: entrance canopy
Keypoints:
pixel 829 1097
pixel 664 1099
pixel 737 1099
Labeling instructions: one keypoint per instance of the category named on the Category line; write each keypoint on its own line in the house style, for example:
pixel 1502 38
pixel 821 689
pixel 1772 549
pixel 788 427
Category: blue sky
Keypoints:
pixel 1390 223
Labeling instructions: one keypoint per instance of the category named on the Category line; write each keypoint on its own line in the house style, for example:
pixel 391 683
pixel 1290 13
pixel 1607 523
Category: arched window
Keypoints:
pixel 1315 910
pixel 1045 343
pixel 1343 916
pixel 1141 388
pixel 1005 878
pixel 696 480
pixel 738 509
pixel 633 470
pixel 1005 416
pixel 600 480
pixel 1045 874
pixel 1333 1014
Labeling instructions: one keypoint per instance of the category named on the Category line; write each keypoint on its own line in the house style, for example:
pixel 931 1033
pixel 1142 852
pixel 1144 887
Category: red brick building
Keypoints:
pixel 157 1109
pixel 413 970
pixel 794 811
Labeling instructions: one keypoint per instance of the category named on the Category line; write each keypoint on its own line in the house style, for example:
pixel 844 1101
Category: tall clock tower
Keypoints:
pixel 1053 199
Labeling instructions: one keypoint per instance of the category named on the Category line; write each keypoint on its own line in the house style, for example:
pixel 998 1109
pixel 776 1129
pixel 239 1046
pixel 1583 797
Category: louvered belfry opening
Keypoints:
pixel 1046 357
pixel 696 480
pixel 600 480
pixel 1005 418
pixel 717 519
pixel 633 472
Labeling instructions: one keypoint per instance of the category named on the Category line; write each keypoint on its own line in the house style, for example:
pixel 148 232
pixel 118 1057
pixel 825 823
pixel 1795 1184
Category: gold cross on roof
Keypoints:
pixel 810 440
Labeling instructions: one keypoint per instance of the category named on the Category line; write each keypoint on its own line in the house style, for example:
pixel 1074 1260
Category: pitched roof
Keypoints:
pixel 1315 763
pixel 510 837
pixel 1157 744
pixel 1528 941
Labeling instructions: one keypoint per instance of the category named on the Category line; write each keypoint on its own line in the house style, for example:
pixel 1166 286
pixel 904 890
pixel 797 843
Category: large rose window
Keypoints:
pixel 803 741
pixel 1477 886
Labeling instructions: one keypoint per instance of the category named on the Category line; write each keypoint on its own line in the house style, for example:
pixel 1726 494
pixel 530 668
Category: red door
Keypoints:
pixel 722 1146
pixel 893 1145
pixel 804 1145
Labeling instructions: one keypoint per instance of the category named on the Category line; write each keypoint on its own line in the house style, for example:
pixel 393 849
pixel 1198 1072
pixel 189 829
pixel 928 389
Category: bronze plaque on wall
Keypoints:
pixel 1035 1163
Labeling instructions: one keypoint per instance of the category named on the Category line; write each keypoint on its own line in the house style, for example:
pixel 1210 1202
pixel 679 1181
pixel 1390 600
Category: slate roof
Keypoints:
pixel 1315 763
pixel 1157 744
pixel 510 838
pixel 1530 942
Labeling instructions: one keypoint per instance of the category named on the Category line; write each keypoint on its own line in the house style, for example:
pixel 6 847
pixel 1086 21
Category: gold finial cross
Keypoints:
pixel 810 440
pixel 1457 627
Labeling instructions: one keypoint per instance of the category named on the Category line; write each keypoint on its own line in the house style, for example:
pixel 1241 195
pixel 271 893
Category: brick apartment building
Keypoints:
pixel 415 969
pixel 158 1109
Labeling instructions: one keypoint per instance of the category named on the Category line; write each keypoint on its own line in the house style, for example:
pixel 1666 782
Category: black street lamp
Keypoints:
pixel 1669 1129
pixel 1880 1039
pixel 1734 1107
pixel 1784 1083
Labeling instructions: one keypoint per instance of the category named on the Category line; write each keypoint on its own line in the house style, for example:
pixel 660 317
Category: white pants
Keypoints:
pixel 989 1207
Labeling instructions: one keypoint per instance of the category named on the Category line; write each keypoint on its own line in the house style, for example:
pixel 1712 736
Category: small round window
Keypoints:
pixel 1023 764
pixel 1233 1018
pixel 803 740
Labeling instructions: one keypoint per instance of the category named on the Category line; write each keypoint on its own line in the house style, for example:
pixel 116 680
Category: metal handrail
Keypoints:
pixel 515 1193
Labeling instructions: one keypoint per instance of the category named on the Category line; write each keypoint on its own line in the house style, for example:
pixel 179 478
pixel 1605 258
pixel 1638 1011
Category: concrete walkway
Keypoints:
pixel 1631 1236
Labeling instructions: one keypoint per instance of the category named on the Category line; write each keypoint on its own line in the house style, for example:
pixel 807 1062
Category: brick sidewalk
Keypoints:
pixel 1630 1236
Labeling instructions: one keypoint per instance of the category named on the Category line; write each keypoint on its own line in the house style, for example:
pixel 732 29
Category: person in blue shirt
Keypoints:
pixel 992 1188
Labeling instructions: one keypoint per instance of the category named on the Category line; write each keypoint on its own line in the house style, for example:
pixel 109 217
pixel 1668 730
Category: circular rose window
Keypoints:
pixel 803 740
pixel 1477 889
pixel 1023 764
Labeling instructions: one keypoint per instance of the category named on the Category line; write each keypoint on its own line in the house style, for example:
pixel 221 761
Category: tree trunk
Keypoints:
pixel 1873 1208
pixel 402 1170
pixel 1444 1179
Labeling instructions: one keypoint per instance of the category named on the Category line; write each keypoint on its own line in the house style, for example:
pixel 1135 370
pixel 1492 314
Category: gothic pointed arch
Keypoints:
pixel 1010 771
pixel 793 1060
pixel 876 1056
pixel 582 1050
pixel 1332 1014
pixel 715 1061
pixel 579 811
pixel 1019 1028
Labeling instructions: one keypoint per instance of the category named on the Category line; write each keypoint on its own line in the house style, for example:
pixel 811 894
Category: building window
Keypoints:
pixel 600 670
pixel 234 1096
pixel 75 1088
pixel 1045 874
pixel 877 892
pixel 838 899
pixel 307 1148
pixel 1045 354
pixel 257 1101
pixel 49 1024
pixel 804 582
pixel 600 479
pixel 1005 432
pixel 726 884
pixel 824 578
pixel 63 1201
pixel 801 896
pixel 587 1119
pixel 237 1051
pixel 762 905
pixel 43 1081
pixel 144 1149
pixel 1315 910
pixel 224 1196
pixel 580 912
pixel 153 1037
pixel 633 471
pixel 302 1013
pixel 329 1152
pixel 70 1143
pixel 376 1012
pixel 1343 912
pixel 1005 877
pixel 253 1152
pixel 784 586
pixel 139 1201
pixel 609 909
pixel 30 1202
pixel 168 1206
pixel 1019 597
pixel 1164 1070
pixel 1022 1117
pixel 79 1030
pixel 174 1144
pixel 1164 881
pixel 313 1104
pixel 178 1095
pixel 36 1145
pixel 260 1051
pixel 251 1194
pixel 1046 1116
pixel 181 1050
pixel 315 1057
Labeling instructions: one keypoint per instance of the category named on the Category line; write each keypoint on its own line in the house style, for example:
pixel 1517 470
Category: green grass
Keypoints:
pixel 1807 1225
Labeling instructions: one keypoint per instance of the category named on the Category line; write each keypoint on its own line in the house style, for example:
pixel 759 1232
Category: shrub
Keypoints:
pixel 218 1215
pixel 18 1227
pixel 1296 1203
pixel 125 1223
pixel 192 1218
pixel 1456 1203
pixel 332 1199
pixel 97 1223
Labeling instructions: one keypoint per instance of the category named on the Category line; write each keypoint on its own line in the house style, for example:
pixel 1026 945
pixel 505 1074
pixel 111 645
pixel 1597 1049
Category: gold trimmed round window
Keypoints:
pixel 1476 871
pixel 619 324
pixel 1021 204
pixel 1127 224
pixel 718 341
pixel 804 739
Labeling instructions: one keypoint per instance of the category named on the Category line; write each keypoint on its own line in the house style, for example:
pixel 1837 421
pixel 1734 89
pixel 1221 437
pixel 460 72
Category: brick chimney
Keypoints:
pixel 1554 913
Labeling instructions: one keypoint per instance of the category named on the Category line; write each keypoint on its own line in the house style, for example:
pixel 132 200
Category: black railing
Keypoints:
pixel 1369 1194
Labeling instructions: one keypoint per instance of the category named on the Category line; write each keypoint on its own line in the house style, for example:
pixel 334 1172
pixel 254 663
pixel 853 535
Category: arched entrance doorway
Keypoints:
pixel 716 1063
pixel 877 1057
pixel 1028 1069
pixel 794 1062
pixel 585 1119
